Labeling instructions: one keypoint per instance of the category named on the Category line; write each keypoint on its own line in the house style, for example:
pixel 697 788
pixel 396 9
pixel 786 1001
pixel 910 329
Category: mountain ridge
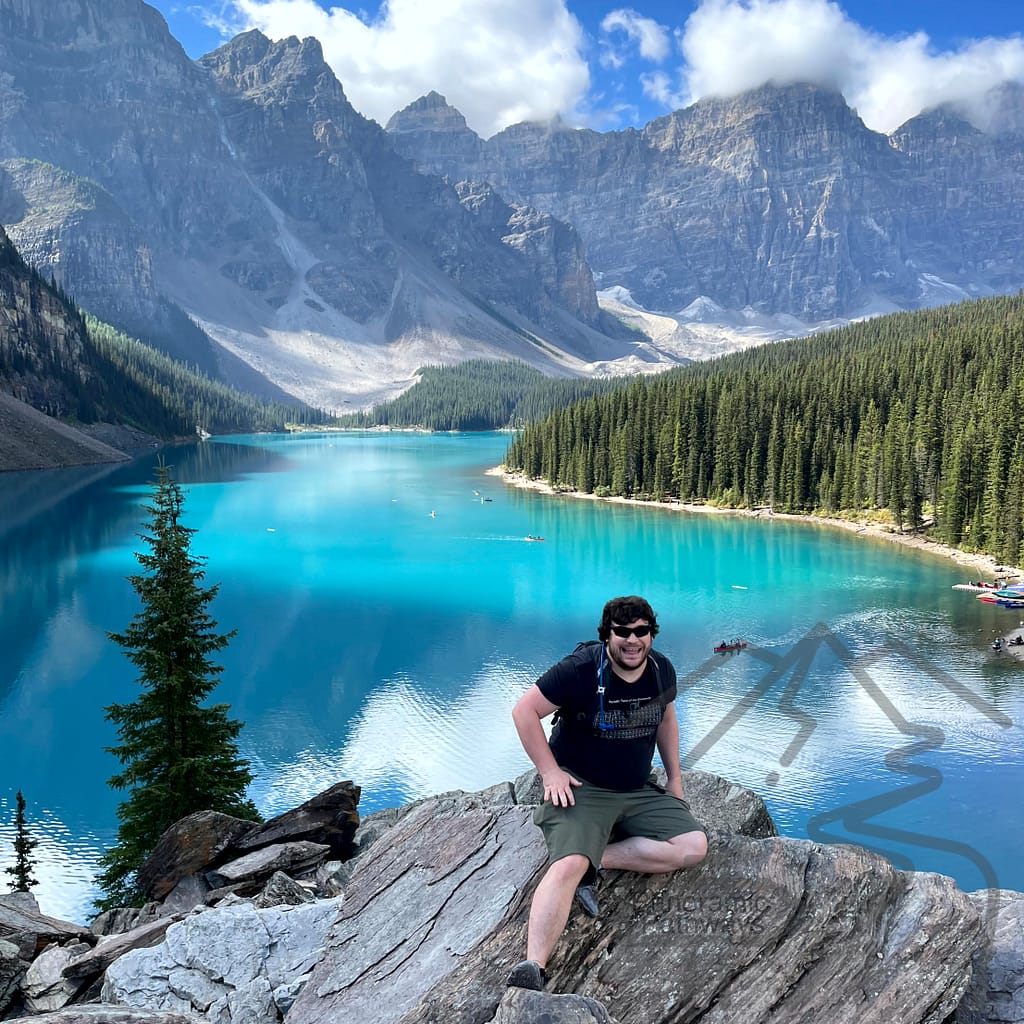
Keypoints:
pixel 239 213
pixel 245 190
pixel 779 199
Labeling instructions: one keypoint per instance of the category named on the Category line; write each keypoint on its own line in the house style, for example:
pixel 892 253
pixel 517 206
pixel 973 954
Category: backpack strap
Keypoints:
pixel 595 649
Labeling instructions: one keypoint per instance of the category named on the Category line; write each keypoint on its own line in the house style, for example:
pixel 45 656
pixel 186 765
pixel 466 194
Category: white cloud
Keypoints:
pixel 658 86
pixel 652 39
pixel 498 63
pixel 733 45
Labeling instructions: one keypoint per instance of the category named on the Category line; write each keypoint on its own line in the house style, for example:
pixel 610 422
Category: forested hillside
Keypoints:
pixel 915 415
pixel 82 371
pixel 481 394
pixel 169 398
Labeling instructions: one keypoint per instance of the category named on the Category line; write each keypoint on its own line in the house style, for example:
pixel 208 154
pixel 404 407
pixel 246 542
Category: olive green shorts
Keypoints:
pixel 603 815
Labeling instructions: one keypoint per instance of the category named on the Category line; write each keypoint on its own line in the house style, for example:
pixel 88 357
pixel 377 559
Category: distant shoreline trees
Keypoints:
pixel 913 416
pixel 478 394
pixel 178 755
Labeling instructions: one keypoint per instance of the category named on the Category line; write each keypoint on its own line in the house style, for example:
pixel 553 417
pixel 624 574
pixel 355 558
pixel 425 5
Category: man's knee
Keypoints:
pixel 569 870
pixel 690 848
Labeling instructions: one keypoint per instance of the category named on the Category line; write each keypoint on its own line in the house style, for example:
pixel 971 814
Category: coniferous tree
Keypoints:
pixel 24 844
pixel 179 756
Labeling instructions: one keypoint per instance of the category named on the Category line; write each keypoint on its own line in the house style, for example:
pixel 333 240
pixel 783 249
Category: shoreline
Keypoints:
pixel 986 565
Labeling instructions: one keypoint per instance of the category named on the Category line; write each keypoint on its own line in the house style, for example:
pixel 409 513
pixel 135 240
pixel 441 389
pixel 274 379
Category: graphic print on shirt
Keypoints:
pixel 629 718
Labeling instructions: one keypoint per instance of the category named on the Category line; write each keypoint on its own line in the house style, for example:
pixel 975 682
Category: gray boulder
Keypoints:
pixel 94 962
pixel 281 890
pixel 229 964
pixel 22 924
pixel 187 847
pixel 996 994
pixel 45 986
pixel 330 818
pixel 520 1006
pixel 434 915
pixel 12 969
pixel 765 930
pixel 261 864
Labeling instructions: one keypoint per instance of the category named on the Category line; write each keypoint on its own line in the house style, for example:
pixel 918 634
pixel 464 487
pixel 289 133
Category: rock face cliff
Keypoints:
pixel 779 199
pixel 246 190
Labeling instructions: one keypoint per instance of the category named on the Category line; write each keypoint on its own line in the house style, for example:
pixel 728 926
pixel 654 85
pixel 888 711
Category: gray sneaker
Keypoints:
pixel 528 974
pixel 586 897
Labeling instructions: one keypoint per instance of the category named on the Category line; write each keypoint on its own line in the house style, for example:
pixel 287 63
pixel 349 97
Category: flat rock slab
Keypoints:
pixel 766 931
pixel 418 904
pixel 773 930
pixel 22 924
pixel 107 950
pixel 108 1013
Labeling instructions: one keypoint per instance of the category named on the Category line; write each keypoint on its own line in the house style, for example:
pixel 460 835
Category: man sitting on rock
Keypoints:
pixel 613 702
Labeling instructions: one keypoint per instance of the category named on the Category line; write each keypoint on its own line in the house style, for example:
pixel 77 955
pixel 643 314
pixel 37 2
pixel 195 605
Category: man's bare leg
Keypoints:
pixel 551 904
pixel 656 856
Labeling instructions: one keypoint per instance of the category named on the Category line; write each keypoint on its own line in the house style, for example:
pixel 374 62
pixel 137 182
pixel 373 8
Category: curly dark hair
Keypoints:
pixel 623 610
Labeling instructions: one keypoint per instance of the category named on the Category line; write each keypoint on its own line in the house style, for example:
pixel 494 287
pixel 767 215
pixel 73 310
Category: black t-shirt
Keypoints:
pixel 619 755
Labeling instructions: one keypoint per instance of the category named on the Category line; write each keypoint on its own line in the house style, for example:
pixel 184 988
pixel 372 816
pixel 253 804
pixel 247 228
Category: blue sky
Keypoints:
pixel 610 66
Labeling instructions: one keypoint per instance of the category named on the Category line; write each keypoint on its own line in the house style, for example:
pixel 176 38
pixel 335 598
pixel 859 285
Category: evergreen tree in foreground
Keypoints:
pixel 24 844
pixel 178 755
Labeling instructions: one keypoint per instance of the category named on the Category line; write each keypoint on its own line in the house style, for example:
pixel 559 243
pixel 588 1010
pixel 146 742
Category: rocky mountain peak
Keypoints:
pixel 434 135
pixel 87 24
pixel 429 113
pixel 287 70
pixel 770 126
pixel 940 126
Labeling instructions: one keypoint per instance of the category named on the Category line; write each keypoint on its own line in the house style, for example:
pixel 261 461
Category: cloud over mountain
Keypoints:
pixel 502 63
pixel 729 46
pixel 498 63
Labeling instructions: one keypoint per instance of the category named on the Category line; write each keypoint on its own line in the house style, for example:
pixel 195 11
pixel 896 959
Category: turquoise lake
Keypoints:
pixel 390 612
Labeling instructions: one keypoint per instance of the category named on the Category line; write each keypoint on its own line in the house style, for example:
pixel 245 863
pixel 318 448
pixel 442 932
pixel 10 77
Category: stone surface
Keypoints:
pixel 330 818
pixel 281 889
pixel 12 968
pixel 766 930
pixel 45 986
pixel 106 1013
pixel 190 892
pixel 22 924
pixel 126 919
pixel 417 905
pixel 262 863
pixel 520 1006
pixel 187 847
pixel 226 963
pixel 96 960
pixel 996 994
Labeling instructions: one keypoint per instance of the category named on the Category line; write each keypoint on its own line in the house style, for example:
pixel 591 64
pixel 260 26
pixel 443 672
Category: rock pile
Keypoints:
pixel 290 921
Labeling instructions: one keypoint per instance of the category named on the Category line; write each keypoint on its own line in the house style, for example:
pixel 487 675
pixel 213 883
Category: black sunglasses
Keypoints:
pixel 625 631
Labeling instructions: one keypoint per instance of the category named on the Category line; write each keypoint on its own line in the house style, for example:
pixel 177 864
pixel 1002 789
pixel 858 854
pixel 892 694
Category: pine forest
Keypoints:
pixel 912 418
pixel 479 394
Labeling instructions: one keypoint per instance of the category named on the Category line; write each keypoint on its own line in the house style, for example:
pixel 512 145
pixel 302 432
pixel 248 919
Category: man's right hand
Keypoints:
pixel 558 788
